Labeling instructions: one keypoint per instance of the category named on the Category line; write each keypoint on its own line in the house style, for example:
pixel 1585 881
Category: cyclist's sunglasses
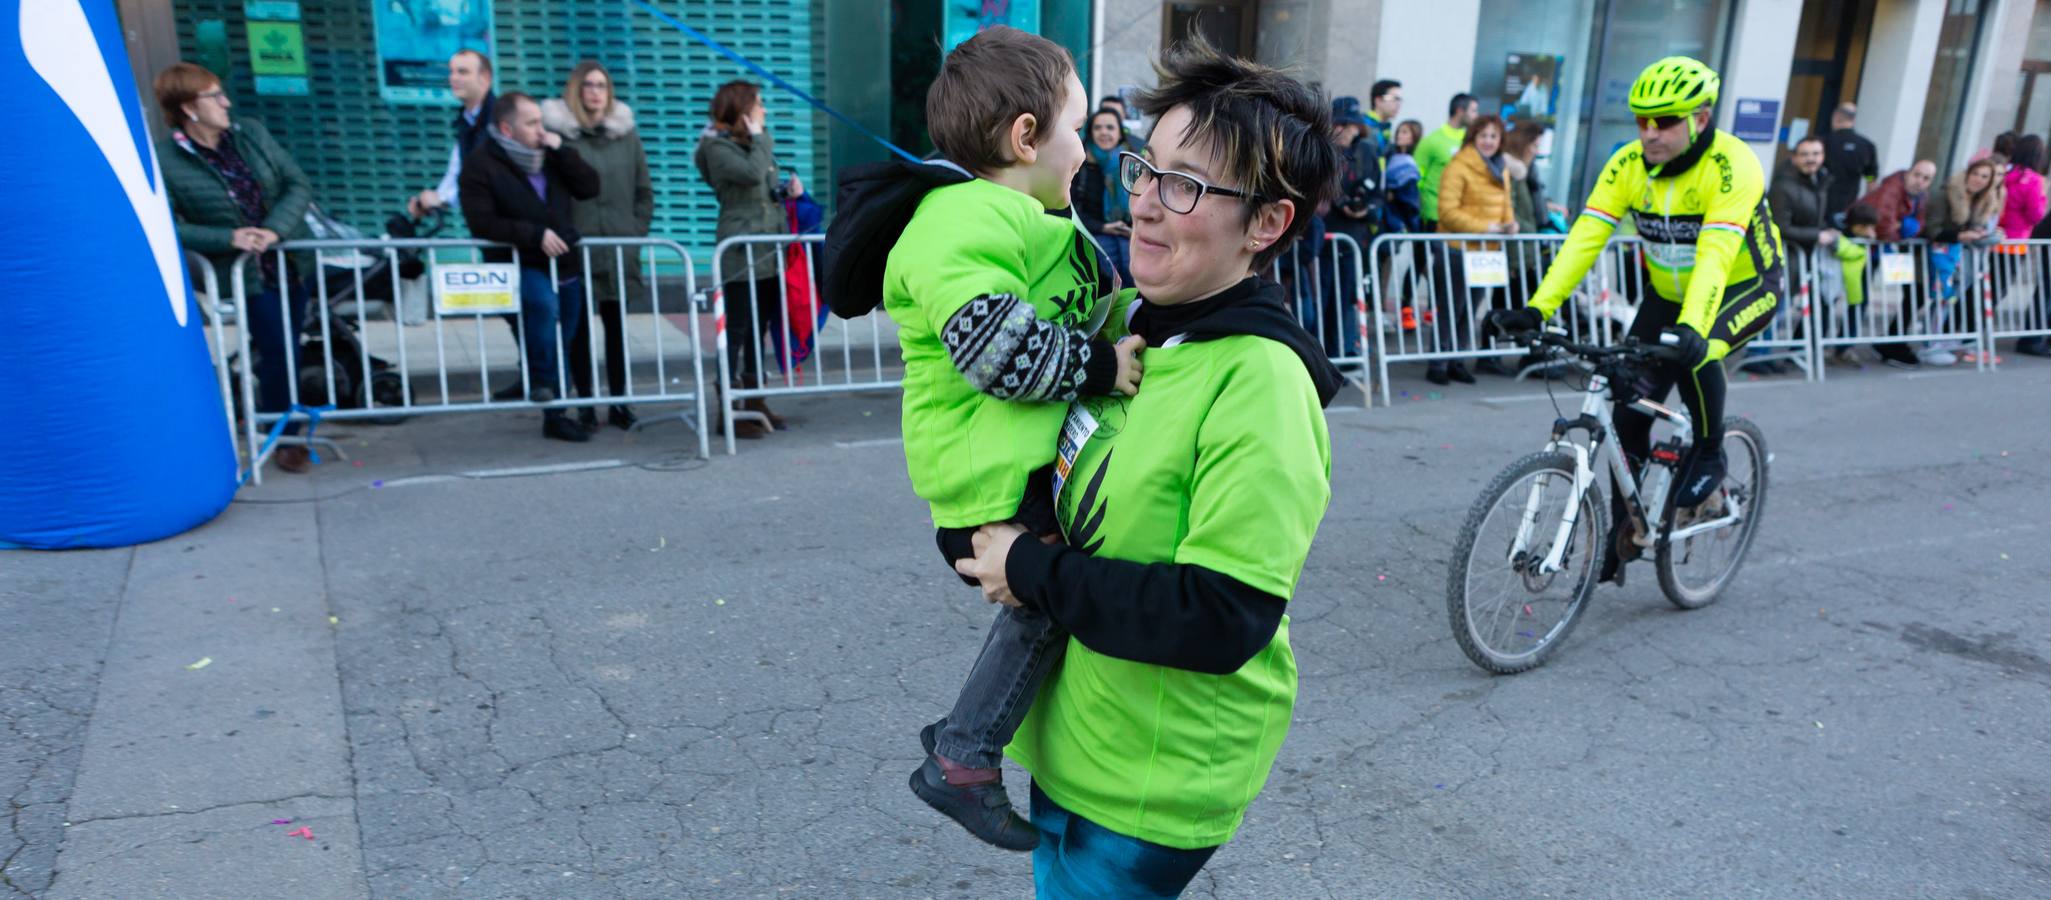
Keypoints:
pixel 1660 122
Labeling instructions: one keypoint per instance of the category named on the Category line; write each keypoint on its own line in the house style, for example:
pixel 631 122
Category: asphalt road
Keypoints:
pixel 664 678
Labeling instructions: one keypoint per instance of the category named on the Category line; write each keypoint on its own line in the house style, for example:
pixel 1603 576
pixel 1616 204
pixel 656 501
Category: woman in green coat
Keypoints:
pixel 601 128
pixel 233 191
pixel 738 159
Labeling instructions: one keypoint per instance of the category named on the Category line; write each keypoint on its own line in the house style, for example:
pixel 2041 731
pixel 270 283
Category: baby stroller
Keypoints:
pixel 344 270
pixel 355 386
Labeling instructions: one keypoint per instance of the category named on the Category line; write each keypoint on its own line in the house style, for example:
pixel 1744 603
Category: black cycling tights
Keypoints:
pixel 1703 389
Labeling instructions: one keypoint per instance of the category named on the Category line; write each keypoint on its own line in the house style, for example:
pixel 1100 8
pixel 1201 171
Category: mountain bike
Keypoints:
pixel 1529 554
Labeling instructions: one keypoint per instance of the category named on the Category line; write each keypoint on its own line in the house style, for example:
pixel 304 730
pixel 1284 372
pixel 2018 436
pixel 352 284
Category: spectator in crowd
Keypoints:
pixel 2025 186
pixel 1969 209
pixel 1966 212
pixel 2021 214
pixel 1474 198
pixel 737 157
pixel 1522 142
pixel 1897 205
pixel 1116 104
pixel 1800 199
pixel 1409 133
pixel 1850 157
pixel 596 124
pixel 517 188
pixel 1099 196
pixel 1358 205
pixel 1898 200
pixel 1437 149
pixel 233 190
pixel 1847 280
pixel 2002 149
pixel 470 81
pixel 1384 103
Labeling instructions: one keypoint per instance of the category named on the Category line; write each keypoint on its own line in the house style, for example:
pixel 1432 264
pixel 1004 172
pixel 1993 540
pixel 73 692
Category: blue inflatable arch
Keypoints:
pixel 112 430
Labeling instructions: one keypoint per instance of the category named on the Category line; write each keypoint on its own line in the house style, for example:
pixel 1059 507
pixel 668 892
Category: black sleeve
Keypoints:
pixel 1005 350
pixel 1165 614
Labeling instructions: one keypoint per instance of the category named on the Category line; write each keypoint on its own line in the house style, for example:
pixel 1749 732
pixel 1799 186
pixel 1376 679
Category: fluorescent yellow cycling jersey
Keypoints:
pixel 1704 221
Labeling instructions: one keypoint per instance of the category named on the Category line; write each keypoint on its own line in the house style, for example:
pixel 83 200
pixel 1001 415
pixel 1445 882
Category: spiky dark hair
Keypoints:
pixel 1268 133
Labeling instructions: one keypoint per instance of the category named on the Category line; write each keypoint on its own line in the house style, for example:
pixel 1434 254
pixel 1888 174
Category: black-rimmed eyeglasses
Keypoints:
pixel 1177 191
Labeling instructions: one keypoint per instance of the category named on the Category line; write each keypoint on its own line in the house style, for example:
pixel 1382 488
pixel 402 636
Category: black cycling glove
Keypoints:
pixel 1509 322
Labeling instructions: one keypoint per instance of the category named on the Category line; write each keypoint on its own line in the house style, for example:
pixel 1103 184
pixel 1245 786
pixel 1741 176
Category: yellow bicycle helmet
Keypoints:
pixel 1674 86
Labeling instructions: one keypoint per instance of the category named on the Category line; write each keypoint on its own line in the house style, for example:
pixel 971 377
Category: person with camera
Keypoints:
pixel 737 157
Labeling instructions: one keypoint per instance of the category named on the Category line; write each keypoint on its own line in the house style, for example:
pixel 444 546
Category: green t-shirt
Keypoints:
pixel 1434 152
pixel 1221 461
pixel 969 453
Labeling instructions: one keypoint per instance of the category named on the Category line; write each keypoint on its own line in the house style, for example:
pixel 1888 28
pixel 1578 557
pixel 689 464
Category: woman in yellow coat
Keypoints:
pixel 1474 198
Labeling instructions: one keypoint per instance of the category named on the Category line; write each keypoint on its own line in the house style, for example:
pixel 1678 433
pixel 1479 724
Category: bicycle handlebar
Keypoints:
pixel 1631 347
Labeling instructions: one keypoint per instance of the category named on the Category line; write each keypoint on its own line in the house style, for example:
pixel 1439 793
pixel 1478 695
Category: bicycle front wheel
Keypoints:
pixel 1511 605
pixel 1694 570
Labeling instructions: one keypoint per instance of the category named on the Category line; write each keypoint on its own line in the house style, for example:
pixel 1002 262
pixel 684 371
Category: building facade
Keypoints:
pixel 1933 78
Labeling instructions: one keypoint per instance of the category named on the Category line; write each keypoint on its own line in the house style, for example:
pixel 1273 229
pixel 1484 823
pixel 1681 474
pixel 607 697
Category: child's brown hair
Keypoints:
pixel 985 84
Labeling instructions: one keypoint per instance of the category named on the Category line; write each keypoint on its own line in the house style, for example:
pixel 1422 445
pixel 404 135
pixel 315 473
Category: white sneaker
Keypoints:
pixel 1932 356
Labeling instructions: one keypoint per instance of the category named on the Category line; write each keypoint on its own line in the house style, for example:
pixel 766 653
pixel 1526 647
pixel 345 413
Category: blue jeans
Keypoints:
pixel 1079 859
pixel 1340 292
pixel 274 342
pixel 544 314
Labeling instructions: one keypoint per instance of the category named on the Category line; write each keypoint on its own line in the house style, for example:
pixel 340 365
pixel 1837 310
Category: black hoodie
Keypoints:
pixel 872 205
pixel 1251 307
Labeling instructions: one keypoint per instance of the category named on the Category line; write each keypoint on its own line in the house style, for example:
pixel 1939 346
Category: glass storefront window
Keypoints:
pixel 1957 44
pixel 1531 61
pixel 1591 51
pixel 1637 33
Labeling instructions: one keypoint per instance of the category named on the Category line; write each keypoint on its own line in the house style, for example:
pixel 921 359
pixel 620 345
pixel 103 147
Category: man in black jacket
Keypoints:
pixel 1852 160
pixel 1800 198
pixel 517 189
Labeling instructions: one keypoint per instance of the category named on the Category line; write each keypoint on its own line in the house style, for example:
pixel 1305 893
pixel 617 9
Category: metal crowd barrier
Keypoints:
pixel 1433 290
pixel 1328 287
pixel 412 362
pixel 1904 303
pixel 2012 283
pixel 813 351
pixel 206 293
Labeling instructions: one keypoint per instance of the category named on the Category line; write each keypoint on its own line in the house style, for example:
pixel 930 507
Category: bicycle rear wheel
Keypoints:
pixel 1694 571
pixel 1507 615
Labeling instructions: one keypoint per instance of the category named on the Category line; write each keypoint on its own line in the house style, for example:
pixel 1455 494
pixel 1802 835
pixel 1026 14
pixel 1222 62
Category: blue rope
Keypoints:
pixel 278 430
pixel 772 78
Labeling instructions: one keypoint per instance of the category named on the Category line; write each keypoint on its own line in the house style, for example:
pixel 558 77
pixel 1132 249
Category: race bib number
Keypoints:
pixel 1075 434
pixel 1897 269
pixel 1488 268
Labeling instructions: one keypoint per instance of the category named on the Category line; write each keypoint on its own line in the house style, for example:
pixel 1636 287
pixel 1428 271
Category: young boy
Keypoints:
pixel 997 295
pixel 1849 277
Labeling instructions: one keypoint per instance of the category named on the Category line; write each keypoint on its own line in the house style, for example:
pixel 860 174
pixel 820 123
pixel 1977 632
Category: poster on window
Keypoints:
pixel 415 39
pixel 1531 86
pixel 962 19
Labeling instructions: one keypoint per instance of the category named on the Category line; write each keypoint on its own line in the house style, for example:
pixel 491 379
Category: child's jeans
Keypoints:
pixel 1021 648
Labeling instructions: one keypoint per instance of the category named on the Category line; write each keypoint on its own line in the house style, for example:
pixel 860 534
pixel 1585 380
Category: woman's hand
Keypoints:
pixel 551 140
pixel 993 548
pixel 249 240
pixel 1971 236
pixel 1118 229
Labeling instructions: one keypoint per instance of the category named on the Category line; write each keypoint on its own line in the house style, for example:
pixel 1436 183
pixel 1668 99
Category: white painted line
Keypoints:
pixel 877 442
pixel 1941 374
pixel 420 479
pixel 545 470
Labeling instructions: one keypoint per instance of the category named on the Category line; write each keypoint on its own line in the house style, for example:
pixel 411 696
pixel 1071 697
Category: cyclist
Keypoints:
pixel 1712 253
